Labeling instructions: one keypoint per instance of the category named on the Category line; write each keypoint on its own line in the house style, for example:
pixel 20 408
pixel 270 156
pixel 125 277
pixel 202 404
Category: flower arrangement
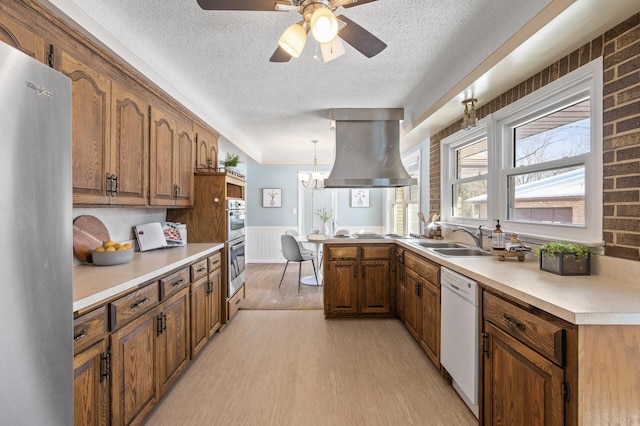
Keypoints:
pixel 324 214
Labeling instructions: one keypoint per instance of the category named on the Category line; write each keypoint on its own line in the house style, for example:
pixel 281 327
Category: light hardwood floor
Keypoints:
pixel 293 367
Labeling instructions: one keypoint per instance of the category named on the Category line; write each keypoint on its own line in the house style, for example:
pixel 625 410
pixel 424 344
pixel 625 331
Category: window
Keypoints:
pixel 536 164
pixel 405 201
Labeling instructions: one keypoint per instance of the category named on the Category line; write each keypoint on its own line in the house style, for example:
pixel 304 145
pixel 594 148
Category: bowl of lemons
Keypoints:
pixel 112 253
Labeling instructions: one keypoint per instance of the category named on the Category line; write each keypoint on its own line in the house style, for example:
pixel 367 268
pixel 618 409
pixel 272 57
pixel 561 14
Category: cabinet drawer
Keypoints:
pixel 422 267
pixel 235 302
pixel 132 305
pixel 342 253
pixel 215 261
pixel 89 328
pixel 199 269
pixel 546 337
pixel 174 282
pixel 376 252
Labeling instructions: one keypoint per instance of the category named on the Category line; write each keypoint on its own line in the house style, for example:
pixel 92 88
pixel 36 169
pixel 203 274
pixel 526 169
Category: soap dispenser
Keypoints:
pixel 497 237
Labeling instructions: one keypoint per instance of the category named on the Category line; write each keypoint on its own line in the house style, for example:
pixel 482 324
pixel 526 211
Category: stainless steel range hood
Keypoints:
pixel 368 149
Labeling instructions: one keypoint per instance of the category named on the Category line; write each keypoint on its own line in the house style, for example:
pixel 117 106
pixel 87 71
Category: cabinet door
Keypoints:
pixel 374 277
pixel 90 391
pixel 16 35
pixel 133 375
pixel 173 341
pixel 207 148
pixel 343 295
pixel 91 118
pixel 129 147
pixel 214 300
pixel 184 163
pixel 520 385
pixel 199 315
pixel 161 164
pixel 412 303
pixel 430 321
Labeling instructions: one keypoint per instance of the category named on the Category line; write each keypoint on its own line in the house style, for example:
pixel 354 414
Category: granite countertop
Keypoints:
pixel 608 296
pixel 95 284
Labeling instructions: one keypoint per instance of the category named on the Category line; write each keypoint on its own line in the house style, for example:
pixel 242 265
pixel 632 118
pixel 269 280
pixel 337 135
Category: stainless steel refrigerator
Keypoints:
pixel 36 309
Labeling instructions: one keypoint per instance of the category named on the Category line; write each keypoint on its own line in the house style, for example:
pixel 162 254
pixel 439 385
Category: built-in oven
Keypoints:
pixel 236 212
pixel 235 265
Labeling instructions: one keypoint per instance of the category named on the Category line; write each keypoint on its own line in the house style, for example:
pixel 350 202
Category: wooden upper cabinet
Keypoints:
pixel 171 161
pixel 17 35
pixel 207 148
pixel 129 160
pixel 185 164
pixel 91 118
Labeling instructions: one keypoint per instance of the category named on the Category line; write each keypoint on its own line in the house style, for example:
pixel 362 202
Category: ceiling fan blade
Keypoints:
pixel 351 3
pixel 264 5
pixel 280 55
pixel 361 39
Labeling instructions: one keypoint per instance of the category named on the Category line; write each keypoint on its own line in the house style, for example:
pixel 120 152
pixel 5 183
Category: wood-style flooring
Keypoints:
pixel 293 367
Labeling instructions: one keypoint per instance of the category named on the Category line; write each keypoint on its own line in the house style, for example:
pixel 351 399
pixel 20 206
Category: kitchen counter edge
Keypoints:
pixel 93 285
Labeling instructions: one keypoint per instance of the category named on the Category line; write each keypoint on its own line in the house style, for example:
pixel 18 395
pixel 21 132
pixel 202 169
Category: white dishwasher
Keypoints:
pixel 459 334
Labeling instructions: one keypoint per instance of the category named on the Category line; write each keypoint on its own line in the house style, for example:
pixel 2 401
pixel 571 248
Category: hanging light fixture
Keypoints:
pixel 293 40
pixel 324 25
pixel 315 179
pixel 469 119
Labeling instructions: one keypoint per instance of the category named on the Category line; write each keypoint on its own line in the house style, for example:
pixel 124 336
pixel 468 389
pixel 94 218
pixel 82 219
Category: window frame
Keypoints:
pixel 413 159
pixel 584 82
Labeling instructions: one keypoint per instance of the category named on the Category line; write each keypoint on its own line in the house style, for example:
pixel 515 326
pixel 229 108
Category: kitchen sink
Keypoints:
pixel 461 251
pixel 437 244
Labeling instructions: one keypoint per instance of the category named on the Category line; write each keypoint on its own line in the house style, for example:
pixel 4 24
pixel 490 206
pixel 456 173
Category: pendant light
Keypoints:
pixel 315 177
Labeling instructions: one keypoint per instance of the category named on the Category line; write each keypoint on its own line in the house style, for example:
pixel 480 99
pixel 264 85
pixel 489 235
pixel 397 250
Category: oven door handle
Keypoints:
pixel 237 246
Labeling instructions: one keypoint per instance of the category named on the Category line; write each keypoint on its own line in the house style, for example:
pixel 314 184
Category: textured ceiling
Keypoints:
pixel 217 63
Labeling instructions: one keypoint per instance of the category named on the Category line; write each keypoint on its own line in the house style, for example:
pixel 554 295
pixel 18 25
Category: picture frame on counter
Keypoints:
pixel 271 197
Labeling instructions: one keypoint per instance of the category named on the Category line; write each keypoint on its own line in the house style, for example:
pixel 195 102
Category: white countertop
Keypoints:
pixel 609 296
pixel 94 284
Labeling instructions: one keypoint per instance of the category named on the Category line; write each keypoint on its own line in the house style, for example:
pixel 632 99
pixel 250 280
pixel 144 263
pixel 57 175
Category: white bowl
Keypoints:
pixel 108 258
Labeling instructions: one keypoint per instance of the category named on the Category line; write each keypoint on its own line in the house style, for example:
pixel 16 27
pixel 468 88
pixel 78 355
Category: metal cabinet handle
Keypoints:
pixel 201 269
pixel 139 303
pixel 513 321
pixel 80 335
pixel 177 283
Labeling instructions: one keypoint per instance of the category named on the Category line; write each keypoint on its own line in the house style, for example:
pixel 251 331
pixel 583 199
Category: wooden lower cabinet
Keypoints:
pixel 520 386
pixel 528 368
pixel 173 339
pixel 133 378
pixel 90 386
pixel 422 304
pixel 205 310
pixel 357 280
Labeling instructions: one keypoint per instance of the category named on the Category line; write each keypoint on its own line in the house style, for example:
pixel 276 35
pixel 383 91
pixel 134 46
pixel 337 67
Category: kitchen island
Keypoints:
pixel 583 331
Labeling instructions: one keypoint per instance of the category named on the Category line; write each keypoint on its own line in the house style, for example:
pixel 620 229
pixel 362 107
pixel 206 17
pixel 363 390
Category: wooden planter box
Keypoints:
pixel 565 264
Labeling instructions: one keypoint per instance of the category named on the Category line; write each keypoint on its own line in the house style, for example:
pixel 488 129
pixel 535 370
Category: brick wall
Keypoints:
pixel 620 49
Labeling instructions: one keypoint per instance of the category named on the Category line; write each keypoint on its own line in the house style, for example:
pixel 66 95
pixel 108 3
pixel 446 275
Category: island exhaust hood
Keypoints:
pixel 368 149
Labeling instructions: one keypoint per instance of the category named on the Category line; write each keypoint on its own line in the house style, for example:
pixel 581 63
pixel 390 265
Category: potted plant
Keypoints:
pixel 565 258
pixel 231 161
pixel 325 216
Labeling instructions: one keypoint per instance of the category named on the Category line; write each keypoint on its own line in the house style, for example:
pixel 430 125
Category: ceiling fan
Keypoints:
pixel 318 17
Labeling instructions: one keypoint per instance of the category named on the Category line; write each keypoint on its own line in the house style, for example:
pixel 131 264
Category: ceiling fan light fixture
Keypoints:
pixel 293 40
pixel 324 25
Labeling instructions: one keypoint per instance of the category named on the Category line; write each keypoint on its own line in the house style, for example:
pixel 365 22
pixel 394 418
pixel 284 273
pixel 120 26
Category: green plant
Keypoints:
pixel 231 160
pixel 554 248
pixel 324 214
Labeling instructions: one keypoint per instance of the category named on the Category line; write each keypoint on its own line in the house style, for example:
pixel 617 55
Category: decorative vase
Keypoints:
pixel 565 264
pixel 325 228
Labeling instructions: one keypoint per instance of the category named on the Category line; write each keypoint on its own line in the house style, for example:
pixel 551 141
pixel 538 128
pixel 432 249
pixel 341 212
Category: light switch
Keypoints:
pixel 294 211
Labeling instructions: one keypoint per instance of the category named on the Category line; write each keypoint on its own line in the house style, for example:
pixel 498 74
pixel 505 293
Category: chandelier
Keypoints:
pixel 315 179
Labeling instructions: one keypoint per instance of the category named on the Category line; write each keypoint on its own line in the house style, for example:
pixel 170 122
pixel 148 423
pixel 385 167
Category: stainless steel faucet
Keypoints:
pixel 477 236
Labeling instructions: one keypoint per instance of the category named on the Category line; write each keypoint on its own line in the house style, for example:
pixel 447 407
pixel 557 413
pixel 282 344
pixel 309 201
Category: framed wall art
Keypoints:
pixel 271 197
pixel 360 198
